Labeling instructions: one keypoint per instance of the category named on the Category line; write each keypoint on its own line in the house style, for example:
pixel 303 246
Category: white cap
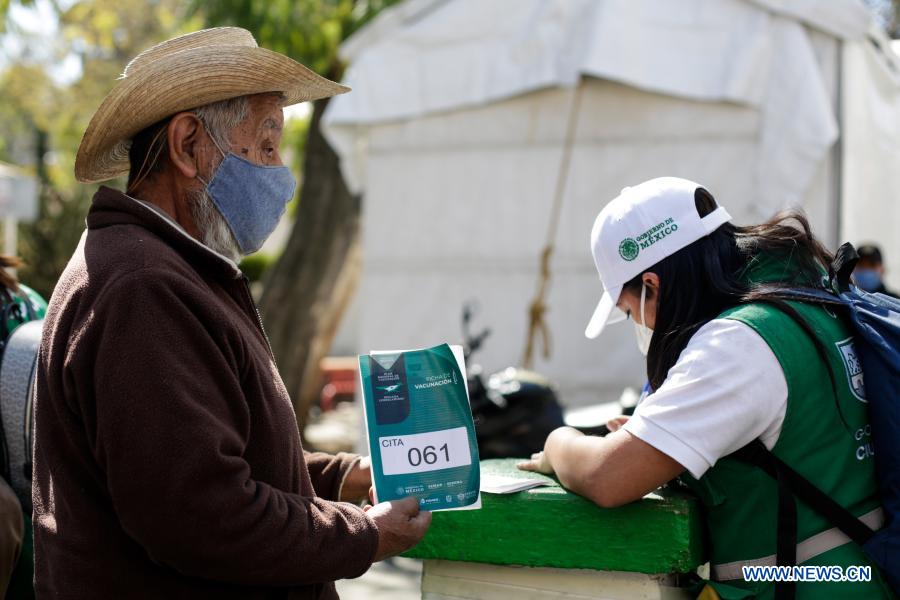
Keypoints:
pixel 643 225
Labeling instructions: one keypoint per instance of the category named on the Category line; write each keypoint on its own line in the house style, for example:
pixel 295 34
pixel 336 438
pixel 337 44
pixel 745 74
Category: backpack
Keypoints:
pixel 20 338
pixel 875 322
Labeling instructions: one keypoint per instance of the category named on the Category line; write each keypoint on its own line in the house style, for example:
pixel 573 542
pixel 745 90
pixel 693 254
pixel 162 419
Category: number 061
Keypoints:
pixel 422 452
pixel 427 454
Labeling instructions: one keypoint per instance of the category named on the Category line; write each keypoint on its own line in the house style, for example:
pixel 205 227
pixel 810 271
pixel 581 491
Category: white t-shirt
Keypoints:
pixel 726 389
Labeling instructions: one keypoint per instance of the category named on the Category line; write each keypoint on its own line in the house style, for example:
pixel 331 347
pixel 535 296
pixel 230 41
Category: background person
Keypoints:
pixel 18 304
pixel 726 370
pixel 12 534
pixel 869 271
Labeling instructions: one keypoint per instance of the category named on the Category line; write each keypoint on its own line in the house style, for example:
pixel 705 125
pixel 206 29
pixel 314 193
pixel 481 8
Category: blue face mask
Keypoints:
pixel 250 197
pixel 867 279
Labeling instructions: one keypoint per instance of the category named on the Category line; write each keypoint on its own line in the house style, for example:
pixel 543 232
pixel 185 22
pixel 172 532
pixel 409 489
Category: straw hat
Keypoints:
pixel 181 74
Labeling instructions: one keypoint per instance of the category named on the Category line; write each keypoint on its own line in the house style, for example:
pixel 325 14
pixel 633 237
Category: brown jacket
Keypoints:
pixel 167 462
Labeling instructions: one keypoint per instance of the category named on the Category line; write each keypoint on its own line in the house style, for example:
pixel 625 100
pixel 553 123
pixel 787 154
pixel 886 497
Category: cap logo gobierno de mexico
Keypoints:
pixel 631 247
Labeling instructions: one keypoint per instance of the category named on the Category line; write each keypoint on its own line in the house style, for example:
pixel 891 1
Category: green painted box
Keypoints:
pixel 550 527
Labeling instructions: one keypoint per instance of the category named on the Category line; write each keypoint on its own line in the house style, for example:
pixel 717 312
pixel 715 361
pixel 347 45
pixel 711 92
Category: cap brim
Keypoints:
pixel 183 81
pixel 605 313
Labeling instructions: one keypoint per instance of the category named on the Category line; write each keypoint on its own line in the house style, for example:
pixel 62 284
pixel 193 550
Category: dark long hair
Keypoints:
pixel 711 278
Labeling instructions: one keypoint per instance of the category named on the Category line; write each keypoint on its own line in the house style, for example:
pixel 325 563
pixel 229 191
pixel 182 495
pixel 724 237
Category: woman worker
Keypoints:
pixel 727 367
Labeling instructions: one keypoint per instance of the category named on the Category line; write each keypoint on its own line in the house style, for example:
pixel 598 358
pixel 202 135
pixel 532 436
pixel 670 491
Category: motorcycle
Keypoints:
pixel 516 409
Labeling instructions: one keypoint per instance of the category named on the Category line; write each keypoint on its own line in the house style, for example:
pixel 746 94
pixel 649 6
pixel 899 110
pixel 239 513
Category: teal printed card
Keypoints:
pixel 419 426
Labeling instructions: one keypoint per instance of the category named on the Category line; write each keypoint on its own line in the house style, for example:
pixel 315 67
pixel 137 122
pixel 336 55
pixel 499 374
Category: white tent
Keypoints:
pixel 455 134
pixel 18 202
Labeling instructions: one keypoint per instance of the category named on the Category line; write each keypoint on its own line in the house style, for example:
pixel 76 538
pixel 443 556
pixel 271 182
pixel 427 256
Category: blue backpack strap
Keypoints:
pixel 805 294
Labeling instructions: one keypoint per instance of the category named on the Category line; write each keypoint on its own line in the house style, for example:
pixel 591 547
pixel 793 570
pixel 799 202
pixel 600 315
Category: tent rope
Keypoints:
pixel 537 325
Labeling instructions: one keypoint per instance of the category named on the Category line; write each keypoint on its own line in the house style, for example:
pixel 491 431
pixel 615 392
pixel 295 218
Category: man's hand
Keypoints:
pixel 358 481
pixel 401 525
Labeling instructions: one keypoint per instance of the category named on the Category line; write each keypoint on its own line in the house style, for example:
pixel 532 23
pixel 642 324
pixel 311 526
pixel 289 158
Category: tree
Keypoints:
pixel 893 15
pixel 887 12
pixel 4 10
pixel 42 119
pixel 306 292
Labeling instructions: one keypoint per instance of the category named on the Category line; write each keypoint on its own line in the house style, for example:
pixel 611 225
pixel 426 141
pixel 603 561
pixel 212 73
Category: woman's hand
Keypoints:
pixel 610 471
pixel 540 462
pixel 537 464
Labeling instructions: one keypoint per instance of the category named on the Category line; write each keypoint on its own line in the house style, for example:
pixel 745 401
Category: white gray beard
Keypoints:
pixel 214 231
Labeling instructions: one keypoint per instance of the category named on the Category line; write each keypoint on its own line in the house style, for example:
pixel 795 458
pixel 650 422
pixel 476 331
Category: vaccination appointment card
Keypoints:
pixel 419 426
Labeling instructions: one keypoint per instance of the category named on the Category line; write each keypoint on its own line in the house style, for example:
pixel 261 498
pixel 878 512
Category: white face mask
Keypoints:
pixel 643 333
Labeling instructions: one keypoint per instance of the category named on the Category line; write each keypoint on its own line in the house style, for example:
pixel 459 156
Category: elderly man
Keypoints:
pixel 167 461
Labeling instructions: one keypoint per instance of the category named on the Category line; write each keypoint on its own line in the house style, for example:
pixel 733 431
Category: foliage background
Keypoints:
pixel 42 118
pixel 43 114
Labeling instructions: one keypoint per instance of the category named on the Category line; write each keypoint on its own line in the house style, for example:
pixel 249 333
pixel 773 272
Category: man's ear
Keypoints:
pixel 651 280
pixel 184 136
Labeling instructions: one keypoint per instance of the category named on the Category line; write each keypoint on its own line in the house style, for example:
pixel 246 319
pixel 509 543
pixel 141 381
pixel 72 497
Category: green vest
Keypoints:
pixel 37 303
pixel 741 500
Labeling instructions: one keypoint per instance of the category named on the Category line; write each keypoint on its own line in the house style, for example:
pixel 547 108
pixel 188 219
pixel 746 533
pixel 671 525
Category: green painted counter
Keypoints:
pixel 550 527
